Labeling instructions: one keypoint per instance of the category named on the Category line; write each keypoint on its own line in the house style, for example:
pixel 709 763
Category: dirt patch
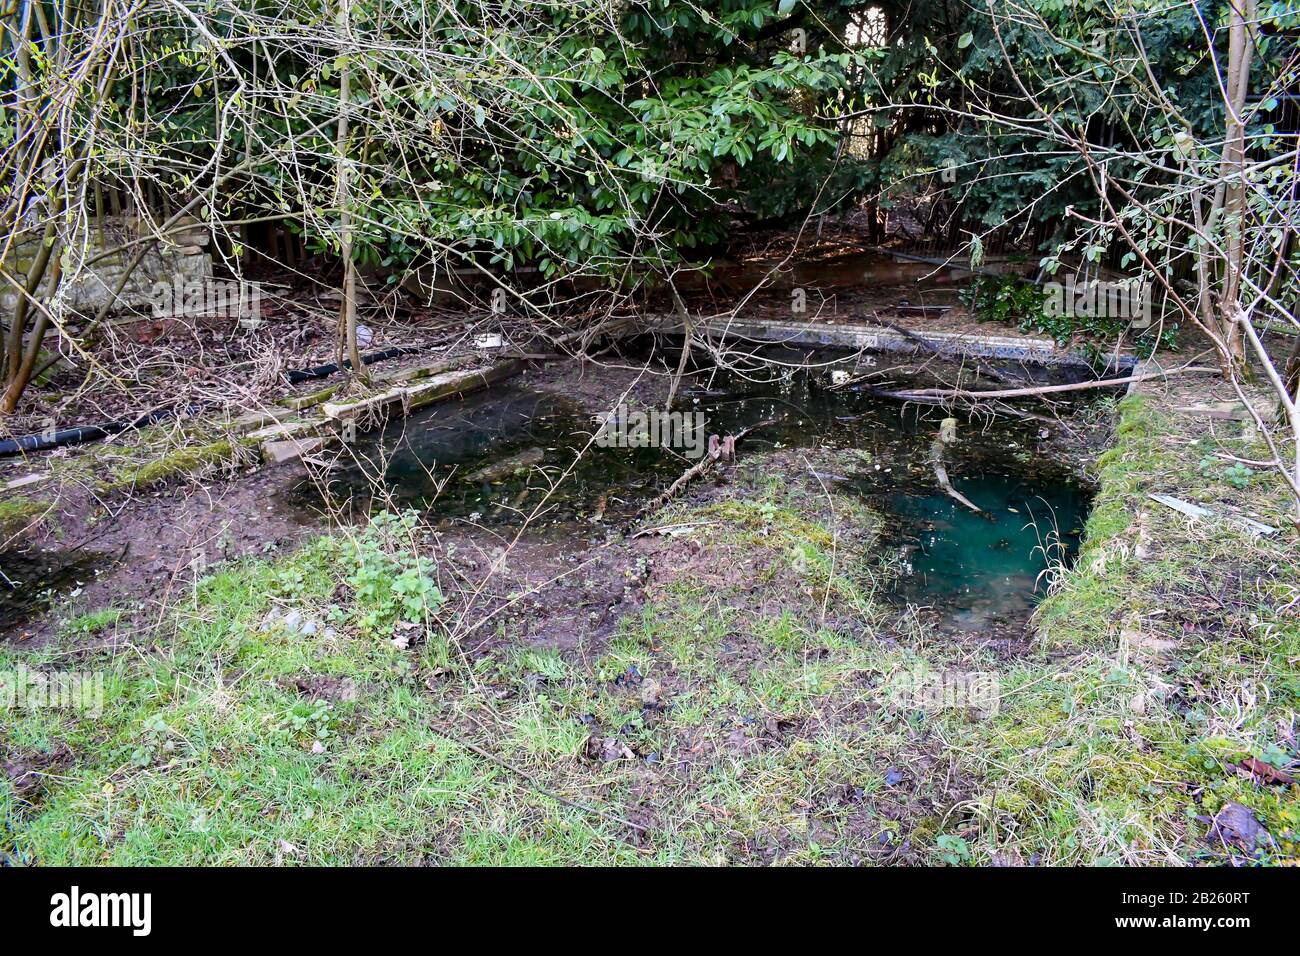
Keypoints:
pixel 149 547
pixel 27 771
pixel 547 593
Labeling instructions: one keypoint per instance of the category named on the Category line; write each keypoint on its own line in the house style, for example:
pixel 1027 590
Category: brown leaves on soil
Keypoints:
pixel 1235 825
pixel 607 749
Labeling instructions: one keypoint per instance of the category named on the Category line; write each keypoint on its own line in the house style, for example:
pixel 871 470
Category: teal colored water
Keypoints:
pixel 989 567
pixel 514 454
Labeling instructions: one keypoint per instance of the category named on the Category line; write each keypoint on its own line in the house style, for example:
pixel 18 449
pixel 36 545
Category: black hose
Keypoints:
pixel 320 371
pixel 84 433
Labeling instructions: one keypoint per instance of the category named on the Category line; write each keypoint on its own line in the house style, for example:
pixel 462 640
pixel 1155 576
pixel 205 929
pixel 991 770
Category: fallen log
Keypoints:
pixel 920 394
pixel 948 433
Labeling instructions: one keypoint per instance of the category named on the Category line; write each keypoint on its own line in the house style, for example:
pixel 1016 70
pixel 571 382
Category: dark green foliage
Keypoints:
pixel 1013 300
pixel 1008 299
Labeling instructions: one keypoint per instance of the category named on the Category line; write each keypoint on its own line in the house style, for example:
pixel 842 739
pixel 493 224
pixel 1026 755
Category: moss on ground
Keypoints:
pixel 189 459
pixel 19 513
pixel 148 457
pixel 753 706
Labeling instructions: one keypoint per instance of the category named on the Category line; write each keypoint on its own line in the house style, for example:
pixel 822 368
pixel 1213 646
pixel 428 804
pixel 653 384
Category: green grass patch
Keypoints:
pixel 18 513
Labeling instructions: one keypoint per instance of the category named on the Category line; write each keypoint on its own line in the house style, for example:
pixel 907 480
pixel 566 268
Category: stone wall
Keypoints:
pixel 183 253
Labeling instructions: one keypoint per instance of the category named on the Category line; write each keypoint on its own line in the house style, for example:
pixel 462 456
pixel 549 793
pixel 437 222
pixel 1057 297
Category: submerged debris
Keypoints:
pixel 947 435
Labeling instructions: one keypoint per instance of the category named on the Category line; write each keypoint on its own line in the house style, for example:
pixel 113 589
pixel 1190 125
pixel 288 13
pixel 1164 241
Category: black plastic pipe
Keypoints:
pixel 79 434
pixel 320 371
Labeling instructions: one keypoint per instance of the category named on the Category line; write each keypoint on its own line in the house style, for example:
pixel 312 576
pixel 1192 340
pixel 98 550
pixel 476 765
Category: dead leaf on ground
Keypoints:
pixel 1236 824
pixel 1250 767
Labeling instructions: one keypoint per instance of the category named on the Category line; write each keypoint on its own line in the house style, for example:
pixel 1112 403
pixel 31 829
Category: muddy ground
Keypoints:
pixel 136 552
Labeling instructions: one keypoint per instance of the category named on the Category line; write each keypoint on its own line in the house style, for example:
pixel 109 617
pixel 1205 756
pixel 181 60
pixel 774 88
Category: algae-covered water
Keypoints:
pixel 518 454
pixel 980 568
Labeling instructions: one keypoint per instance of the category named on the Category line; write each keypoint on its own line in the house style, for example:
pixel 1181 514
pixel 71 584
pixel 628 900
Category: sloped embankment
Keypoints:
pixel 1164 730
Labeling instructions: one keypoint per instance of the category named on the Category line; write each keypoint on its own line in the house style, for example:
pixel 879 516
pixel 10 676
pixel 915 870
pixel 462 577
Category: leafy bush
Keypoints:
pixel 392 584
pixel 1012 300
pixel 1009 299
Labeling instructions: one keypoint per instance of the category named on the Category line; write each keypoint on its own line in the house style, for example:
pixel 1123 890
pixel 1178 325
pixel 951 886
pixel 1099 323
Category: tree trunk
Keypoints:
pixel 348 311
pixel 1232 172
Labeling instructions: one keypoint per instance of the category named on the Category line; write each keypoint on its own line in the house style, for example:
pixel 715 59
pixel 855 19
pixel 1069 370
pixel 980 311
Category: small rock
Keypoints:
pixel 650 692
pixel 1237 824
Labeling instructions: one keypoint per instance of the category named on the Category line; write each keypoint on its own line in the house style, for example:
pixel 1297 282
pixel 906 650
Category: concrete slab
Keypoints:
pixel 406 399
pixel 411 373
pixel 284 431
pixel 1228 411
pixel 261 418
pixel 275 452
pixel 850 335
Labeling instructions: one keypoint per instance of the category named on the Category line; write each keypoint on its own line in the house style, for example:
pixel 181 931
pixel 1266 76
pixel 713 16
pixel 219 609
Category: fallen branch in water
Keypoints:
pixel 1002 408
pixel 710 459
pixel 948 433
pixel 923 393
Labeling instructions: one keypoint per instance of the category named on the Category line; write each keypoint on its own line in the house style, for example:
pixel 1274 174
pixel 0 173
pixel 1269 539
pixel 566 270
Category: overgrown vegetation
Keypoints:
pixel 619 144
pixel 747 701
pixel 747 711
pixel 1012 300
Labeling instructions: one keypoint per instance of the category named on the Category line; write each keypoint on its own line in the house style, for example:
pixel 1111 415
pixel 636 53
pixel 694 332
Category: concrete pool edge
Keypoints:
pixel 861 336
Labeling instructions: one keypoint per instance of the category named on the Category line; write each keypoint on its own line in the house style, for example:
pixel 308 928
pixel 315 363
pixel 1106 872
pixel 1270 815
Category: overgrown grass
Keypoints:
pixel 238 738
pixel 745 712
pixel 1177 645
pixel 231 739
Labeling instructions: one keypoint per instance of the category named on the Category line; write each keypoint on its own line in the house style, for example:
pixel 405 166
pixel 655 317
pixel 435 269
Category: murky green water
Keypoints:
pixel 980 569
pixel 512 454
pixel 30 582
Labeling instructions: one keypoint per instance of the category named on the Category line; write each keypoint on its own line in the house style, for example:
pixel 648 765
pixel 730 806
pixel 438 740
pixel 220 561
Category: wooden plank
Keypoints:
pixel 426 392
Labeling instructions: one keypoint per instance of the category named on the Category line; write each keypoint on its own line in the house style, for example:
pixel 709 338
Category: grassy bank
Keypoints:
pixel 754 703
pixel 1167 689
